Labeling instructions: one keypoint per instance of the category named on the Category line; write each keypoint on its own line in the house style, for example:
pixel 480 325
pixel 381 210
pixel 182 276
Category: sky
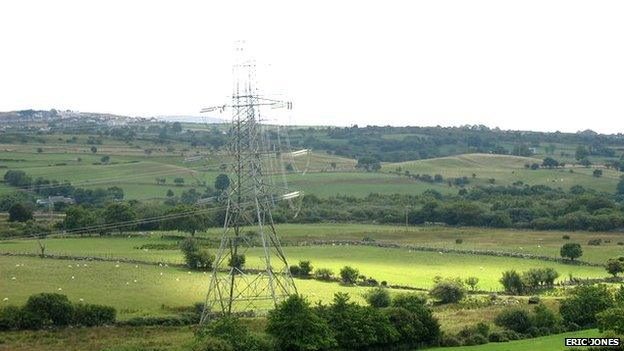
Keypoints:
pixel 531 65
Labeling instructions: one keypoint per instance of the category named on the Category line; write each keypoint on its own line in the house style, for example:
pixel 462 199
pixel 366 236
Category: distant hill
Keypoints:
pixel 191 119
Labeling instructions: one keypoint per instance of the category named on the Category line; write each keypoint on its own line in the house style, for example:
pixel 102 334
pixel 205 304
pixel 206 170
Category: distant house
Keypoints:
pixel 51 200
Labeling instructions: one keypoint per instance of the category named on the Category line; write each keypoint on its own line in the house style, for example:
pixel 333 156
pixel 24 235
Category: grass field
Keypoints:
pixel 543 243
pixel 545 343
pixel 506 170
pixel 396 266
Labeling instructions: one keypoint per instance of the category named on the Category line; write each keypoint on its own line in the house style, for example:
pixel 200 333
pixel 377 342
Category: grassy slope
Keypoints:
pixel 507 170
pixel 545 343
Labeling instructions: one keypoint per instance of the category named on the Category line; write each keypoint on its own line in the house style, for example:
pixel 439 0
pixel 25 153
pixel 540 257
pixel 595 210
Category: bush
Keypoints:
pixel 349 275
pixel 324 273
pixel 514 319
pixel 210 343
pixel 571 251
pixel 611 319
pixel 534 300
pixel 378 297
pixel 565 237
pixel 512 282
pixel 450 341
pixel 16 318
pixel 53 309
pixel 357 327
pixel 91 315
pixel 498 337
pixel 459 241
pixel 476 339
pixel 296 326
pixel 448 291
pixel 416 304
pixel 544 318
pixel 594 242
pixel 305 268
pixel 584 304
pixel 295 270
pixel 230 330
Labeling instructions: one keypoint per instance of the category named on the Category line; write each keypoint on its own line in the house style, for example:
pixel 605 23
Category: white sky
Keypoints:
pixel 539 65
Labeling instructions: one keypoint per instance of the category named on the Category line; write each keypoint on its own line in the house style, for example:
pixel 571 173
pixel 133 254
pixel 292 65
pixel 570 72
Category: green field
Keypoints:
pixel 544 343
pixel 506 170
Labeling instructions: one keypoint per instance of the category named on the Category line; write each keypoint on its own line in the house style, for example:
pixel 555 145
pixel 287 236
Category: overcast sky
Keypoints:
pixel 536 65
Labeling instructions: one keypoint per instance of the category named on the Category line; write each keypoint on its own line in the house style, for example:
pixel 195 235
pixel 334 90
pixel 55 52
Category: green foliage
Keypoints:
pixel 79 217
pixel 90 315
pixel 571 251
pixel 369 164
pixel 195 256
pixel 611 319
pixel 472 282
pixel 358 327
pixel 296 326
pixel 378 297
pixel 349 275
pixel 237 261
pixel 543 317
pixel 184 218
pixel 614 266
pixel 118 212
pixel 620 187
pixel 222 182
pixel 515 319
pixel 584 303
pixel 416 304
pixel 305 268
pixel 227 333
pixel 512 282
pixel 448 291
pixel 324 273
pixel 54 309
pixel 17 178
pixel 20 212
pixel 16 318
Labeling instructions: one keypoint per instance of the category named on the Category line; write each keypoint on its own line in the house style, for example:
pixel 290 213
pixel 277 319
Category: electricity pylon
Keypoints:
pixel 249 230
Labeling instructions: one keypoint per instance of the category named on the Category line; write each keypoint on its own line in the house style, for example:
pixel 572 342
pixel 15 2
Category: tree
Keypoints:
pixel 222 182
pixel 39 150
pixel 581 152
pixel 17 178
pixel 19 212
pixel 550 162
pixel 571 251
pixel 170 193
pixel 176 127
pixel 512 282
pixel 119 212
pixel 105 159
pixel 78 217
pixel 296 326
pixel 93 149
pixel 597 173
pixel 377 297
pixel 179 181
pixel 195 256
pixel 584 303
pixel 472 282
pixel 185 218
pixel 305 268
pixel 53 308
pixel 448 291
pixel 368 164
pixel 614 266
pixel 349 275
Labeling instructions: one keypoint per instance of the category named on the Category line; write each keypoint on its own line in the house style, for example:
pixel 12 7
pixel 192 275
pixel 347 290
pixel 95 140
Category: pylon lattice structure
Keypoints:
pixel 250 199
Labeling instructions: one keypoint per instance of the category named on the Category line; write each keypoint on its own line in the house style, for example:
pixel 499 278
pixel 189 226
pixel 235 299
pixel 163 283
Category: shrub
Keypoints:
pixel 15 318
pixel 543 317
pixel 565 237
pixel 323 273
pixel 415 304
pixel 53 309
pixel 349 275
pixel 472 282
pixel 295 270
pixel 594 242
pixel 91 315
pixel 475 335
pixel 514 319
pixel 210 343
pixel 448 291
pixel 230 330
pixel 498 337
pixel 611 319
pixel 450 341
pixel 512 282
pixel 358 327
pixel 585 303
pixel 476 339
pixel 296 326
pixel 459 241
pixel 378 297
pixel 305 268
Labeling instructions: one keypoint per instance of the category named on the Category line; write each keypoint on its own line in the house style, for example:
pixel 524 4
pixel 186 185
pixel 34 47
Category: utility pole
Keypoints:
pixel 250 200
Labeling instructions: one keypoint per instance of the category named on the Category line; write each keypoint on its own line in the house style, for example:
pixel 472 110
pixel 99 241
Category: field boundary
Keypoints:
pixel 446 250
